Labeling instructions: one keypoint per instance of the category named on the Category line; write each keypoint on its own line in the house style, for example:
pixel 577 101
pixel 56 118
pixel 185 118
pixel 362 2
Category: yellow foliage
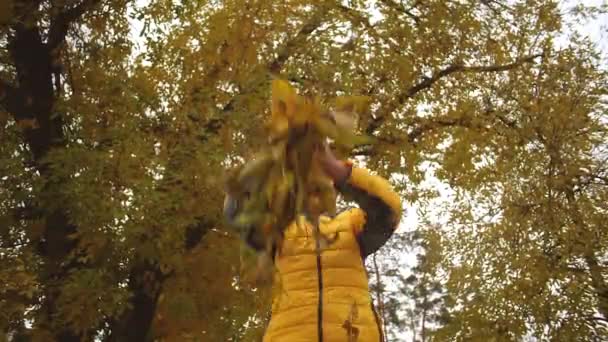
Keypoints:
pixel 189 309
pixel 120 171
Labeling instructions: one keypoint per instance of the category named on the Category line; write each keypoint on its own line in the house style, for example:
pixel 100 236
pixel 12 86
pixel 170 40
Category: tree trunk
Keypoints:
pixel 34 105
pixel 423 325
pixel 425 303
pixel 379 295
pixel 146 283
pixel 595 270
pixel 599 285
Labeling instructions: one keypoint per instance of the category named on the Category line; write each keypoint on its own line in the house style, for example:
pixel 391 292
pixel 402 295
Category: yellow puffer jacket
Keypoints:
pixel 327 298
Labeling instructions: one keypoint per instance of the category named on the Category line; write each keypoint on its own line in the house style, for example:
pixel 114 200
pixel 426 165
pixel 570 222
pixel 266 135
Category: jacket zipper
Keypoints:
pixel 320 284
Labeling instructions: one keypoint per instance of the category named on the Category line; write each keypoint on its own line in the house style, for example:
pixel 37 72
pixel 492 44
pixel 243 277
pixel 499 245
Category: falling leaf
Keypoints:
pixel 346 120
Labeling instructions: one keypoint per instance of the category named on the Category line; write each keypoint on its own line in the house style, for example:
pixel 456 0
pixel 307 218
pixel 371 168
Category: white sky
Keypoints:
pixel 597 29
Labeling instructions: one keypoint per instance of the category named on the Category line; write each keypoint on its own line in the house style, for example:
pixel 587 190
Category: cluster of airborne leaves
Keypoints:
pixel 117 116
pixel 286 180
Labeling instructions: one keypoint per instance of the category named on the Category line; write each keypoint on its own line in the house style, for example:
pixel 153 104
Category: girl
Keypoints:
pixel 324 296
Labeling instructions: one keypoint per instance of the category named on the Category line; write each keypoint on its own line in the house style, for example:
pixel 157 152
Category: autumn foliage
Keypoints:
pixel 119 119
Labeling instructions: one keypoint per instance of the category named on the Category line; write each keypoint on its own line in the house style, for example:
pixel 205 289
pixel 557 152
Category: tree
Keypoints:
pixel 415 302
pixel 99 205
pixel 113 140
pixel 526 251
pixel 424 287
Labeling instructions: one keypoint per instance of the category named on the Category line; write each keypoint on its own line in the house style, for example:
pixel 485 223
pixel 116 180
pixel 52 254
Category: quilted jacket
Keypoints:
pixel 326 297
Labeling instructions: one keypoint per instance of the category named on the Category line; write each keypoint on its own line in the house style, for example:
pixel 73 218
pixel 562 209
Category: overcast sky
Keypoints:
pixel 596 30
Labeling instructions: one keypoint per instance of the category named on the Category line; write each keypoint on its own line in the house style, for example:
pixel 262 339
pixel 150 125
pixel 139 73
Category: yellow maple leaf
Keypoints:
pixel 284 99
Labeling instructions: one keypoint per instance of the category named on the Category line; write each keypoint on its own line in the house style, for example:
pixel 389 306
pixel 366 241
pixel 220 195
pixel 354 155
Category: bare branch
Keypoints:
pixel 291 47
pixel 489 4
pixel 356 17
pixel 399 8
pixel 420 127
pixel 61 23
pixel 598 318
pixel 428 82
pixel 434 124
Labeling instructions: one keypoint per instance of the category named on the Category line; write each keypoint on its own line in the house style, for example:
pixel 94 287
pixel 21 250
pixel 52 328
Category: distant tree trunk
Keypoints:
pixel 425 301
pixel 595 270
pixel 146 283
pixel 423 326
pixel 599 285
pixel 379 296
pixel 413 325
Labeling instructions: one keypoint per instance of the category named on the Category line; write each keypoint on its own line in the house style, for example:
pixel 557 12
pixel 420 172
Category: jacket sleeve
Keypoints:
pixel 252 236
pixel 379 209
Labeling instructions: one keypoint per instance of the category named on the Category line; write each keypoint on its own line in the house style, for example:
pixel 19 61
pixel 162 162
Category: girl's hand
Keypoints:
pixel 336 169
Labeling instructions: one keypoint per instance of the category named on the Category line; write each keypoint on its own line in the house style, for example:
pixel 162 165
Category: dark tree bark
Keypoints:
pixel 31 100
pixel 146 283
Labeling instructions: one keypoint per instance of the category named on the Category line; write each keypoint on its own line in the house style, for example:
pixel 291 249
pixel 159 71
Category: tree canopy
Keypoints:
pixel 118 119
